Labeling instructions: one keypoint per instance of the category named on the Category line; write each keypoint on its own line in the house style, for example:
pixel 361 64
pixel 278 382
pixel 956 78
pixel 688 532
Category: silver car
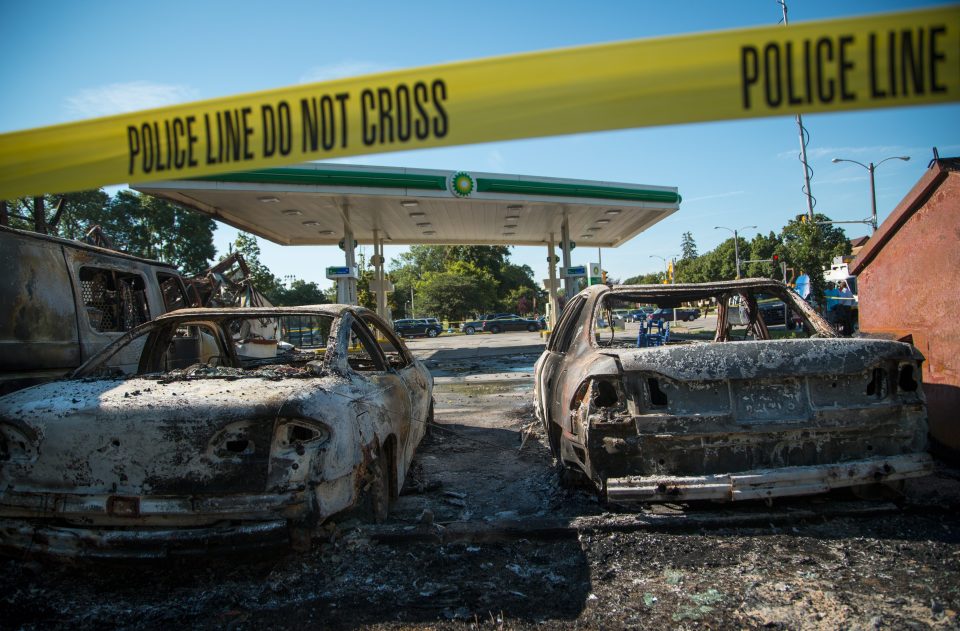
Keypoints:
pixel 241 428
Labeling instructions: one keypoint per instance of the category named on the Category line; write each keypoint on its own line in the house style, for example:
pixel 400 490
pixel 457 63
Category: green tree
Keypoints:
pixel 299 293
pixel 654 278
pixel 688 247
pixel 262 278
pixel 457 292
pixel 810 246
pixel 137 224
pixel 763 247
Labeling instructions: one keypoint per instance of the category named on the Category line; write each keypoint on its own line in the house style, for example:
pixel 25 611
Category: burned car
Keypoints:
pixel 729 414
pixel 241 428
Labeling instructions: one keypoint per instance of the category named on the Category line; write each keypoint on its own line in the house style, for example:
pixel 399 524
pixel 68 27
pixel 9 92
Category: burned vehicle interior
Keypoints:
pixel 742 315
pixel 222 345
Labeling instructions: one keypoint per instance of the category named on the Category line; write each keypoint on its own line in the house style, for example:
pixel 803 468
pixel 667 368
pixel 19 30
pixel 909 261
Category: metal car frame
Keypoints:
pixel 324 431
pixel 724 420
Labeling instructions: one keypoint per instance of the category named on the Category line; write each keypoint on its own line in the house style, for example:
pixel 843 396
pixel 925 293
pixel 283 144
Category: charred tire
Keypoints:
pixel 469 330
pixel 533 328
pixel 495 329
pixel 431 333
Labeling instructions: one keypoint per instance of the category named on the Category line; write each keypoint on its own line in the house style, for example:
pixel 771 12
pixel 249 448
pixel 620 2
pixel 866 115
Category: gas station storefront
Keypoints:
pixel 348 205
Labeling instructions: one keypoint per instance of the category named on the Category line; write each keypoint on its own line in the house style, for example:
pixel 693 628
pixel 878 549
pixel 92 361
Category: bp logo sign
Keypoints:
pixel 461 184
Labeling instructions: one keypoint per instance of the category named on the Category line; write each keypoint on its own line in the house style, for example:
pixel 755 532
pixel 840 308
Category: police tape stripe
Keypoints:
pixel 899 59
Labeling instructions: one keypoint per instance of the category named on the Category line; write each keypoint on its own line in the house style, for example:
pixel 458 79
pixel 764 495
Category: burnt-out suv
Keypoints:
pixel 732 414
pixel 64 301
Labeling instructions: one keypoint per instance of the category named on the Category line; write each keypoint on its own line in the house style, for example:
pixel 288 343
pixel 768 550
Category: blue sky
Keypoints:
pixel 67 61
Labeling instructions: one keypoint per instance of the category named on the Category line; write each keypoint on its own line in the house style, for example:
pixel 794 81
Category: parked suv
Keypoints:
pixel 472 326
pixel 65 300
pixel 415 327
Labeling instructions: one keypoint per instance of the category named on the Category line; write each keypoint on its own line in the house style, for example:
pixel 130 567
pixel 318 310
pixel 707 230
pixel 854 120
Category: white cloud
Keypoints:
pixel 117 98
pixel 866 153
pixel 341 70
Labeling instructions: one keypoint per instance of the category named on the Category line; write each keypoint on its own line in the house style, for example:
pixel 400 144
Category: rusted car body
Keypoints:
pixel 205 447
pixel 64 301
pixel 729 414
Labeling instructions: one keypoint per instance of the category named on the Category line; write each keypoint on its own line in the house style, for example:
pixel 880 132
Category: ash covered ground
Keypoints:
pixel 484 537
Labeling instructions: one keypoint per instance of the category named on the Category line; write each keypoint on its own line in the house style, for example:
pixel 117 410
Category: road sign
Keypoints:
pixel 577 271
pixel 333 273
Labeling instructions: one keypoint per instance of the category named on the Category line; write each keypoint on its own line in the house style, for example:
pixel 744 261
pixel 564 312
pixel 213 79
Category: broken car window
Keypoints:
pixel 388 344
pixel 364 354
pixel 115 301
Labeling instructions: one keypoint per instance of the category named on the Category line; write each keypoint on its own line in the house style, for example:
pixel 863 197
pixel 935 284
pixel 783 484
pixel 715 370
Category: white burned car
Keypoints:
pixel 221 439
pixel 731 413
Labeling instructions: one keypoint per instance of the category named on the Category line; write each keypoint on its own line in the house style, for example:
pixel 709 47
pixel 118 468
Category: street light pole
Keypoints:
pixel 873 188
pixel 736 243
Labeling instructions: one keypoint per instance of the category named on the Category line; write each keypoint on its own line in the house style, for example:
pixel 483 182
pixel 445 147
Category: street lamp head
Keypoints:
pixel 904 158
pixel 835 160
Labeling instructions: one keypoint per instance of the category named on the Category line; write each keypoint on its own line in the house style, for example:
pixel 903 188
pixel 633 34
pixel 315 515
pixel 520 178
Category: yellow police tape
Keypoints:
pixel 907 58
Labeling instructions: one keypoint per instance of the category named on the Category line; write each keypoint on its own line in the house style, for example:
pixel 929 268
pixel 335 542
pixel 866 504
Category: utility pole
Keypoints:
pixel 803 144
pixel 736 243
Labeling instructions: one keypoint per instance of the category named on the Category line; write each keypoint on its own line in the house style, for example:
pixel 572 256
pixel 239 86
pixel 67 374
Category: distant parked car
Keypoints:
pixel 639 314
pixel 775 313
pixel 220 440
pixel 472 326
pixel 511 322
pixel 683 313
pixel 414 327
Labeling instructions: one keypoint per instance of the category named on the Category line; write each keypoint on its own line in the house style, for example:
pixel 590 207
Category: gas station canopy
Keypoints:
pixel 316 204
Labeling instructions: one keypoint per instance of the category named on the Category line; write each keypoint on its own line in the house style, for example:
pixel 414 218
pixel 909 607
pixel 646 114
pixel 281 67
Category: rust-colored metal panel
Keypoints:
pixel 910 290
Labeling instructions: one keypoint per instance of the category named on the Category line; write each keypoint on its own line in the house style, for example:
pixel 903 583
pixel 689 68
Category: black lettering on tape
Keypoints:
pixel 133 144
pixel 937 57
pixel 440 122
pixel 342 98
pixel 846 67
pixel 771 71
pixel 420 98
pixel 368 104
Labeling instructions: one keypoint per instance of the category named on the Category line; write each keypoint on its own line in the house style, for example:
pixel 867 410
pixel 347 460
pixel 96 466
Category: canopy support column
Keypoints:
pixel 568 283
pixel 347 287
pixel 378 260
pixel 552 289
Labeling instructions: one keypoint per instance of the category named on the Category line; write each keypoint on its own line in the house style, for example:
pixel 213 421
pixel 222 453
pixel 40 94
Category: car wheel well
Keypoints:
pixel 389 455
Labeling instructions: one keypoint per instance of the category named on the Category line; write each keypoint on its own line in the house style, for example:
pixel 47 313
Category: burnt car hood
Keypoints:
pixel 752 359
pixel 142 436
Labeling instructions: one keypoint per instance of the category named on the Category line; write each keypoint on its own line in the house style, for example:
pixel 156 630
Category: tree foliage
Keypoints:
pixel 138 224
pixel 808 247
pixel 433 272
pixel 688 247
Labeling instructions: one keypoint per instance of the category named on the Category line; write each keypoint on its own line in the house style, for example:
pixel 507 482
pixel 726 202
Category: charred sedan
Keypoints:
pixel 669 415
pixel 233 433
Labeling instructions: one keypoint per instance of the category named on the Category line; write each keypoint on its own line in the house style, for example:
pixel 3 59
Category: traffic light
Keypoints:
pixel 775 258
pixel 603 277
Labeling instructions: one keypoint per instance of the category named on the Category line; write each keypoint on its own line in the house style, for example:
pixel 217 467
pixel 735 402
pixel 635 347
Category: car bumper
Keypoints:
pixel 768 483
pixel 109 526
pixel 18 537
